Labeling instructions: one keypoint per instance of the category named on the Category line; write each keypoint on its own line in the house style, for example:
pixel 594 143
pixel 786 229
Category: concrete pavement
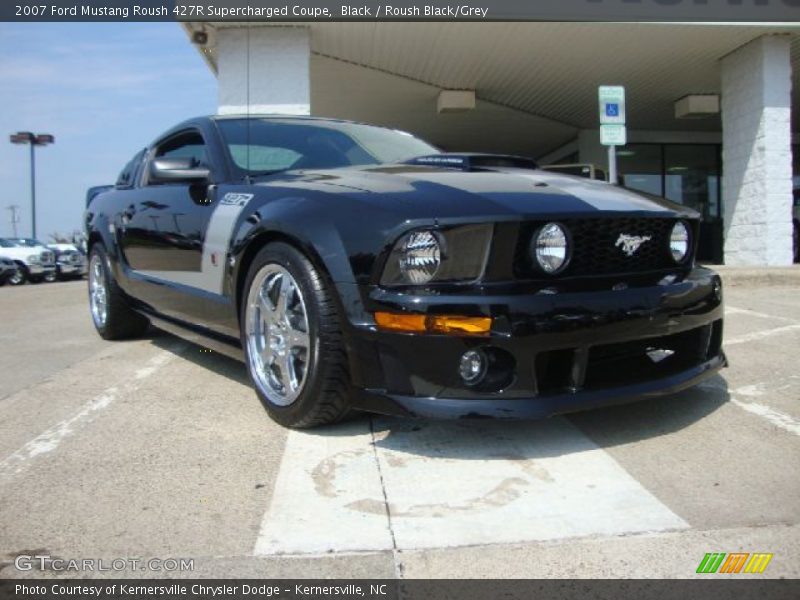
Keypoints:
pixel 157 448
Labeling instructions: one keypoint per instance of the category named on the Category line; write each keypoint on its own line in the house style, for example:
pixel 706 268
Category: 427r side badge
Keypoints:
pixel 236 199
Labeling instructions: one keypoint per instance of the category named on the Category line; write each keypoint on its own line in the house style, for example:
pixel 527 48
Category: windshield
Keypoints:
pixel 7 244
pixel 281 144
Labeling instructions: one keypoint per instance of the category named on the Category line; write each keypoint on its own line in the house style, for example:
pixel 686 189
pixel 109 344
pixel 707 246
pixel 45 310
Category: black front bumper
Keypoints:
pixel 551 350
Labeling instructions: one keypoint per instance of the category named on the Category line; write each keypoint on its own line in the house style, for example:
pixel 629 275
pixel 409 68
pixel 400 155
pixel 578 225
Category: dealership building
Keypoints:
pixel 709 106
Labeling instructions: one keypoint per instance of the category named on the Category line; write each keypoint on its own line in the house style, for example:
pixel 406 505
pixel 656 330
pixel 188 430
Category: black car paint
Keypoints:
pixel 346 221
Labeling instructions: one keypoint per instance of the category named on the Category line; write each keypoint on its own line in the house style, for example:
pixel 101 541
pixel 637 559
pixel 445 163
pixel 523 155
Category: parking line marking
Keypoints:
pixel 460 484
pixel 450 484
pixel 759 335
pixel 51 438
pixel 323 476
pixel 777 418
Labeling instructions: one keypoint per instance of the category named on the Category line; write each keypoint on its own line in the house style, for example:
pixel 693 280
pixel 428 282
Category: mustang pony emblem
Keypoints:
pixel 631 243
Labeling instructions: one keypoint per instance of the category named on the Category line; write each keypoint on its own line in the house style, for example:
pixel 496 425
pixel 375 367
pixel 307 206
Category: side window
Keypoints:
pixel 187 145
pixel 127 176
pixel 183 145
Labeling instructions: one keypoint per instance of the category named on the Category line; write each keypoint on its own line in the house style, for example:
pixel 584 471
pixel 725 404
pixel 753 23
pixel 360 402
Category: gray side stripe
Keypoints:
pixel 215 248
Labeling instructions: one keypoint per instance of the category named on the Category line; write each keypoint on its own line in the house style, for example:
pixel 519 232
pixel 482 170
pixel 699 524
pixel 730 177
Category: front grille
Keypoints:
pixel 627 363
pixel 48 258
pixel 73 258
pixel 595 250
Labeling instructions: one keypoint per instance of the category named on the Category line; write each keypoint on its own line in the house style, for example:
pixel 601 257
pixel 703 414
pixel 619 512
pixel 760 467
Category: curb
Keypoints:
pixel 767 276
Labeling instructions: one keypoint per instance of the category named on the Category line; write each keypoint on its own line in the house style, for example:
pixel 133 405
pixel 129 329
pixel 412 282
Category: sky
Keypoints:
pixel 104 90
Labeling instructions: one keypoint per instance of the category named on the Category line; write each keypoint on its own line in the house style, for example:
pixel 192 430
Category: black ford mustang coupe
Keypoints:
pixel 357 267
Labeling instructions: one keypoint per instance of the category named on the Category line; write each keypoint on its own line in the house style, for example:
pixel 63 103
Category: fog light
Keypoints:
pixel 473 366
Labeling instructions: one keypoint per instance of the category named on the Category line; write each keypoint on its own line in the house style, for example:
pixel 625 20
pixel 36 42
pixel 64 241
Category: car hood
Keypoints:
pixel 21 252
pixel 62 247
pixel 498 192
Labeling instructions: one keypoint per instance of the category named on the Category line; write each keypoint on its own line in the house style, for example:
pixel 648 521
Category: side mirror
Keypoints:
pixel 174 170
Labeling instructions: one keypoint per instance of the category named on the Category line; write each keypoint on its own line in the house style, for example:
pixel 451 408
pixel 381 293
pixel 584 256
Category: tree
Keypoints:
pixel 58 238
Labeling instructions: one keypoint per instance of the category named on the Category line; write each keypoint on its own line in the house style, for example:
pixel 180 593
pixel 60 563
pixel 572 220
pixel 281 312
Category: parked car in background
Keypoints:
pixel 7 269
pixel 356 267
pixel 34 262
pixel 70 262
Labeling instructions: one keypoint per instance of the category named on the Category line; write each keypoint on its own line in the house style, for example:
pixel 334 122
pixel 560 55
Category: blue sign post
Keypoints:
pixel 612 124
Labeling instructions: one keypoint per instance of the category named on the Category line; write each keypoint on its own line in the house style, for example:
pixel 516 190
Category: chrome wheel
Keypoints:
pixel 278 340
pixel 98 294
pixel 18 278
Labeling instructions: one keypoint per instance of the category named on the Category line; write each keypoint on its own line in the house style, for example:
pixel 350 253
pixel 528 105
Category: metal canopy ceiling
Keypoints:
pixel 530 71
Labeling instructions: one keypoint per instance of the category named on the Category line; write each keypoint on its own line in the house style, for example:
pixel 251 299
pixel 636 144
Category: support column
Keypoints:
pixel 757 153
pixel 278 70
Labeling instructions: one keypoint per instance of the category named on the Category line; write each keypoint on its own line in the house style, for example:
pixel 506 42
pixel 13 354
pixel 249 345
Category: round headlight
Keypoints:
pixel 550 248
pixel 679 242
pixel 420 256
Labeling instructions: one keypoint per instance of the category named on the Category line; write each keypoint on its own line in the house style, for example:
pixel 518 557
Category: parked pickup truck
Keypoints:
pixel 70 263
pixel 35 263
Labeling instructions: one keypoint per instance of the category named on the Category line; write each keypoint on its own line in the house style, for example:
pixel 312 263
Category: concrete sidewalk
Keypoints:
pixel 740 276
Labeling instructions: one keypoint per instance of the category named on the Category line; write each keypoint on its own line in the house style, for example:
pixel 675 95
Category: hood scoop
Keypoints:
pixel 474 161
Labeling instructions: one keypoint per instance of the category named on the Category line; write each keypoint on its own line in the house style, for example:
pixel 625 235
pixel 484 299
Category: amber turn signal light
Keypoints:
pixel 447 324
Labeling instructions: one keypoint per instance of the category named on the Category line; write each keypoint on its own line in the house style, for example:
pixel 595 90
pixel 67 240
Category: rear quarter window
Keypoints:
pixel 127 177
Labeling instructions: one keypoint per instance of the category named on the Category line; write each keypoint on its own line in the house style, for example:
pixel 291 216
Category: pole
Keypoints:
pixel 14 217
pixel 33 188
pixel 612 165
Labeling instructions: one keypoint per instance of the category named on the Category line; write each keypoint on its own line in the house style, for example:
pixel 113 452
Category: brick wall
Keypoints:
pixel 756 153
pixel 278 70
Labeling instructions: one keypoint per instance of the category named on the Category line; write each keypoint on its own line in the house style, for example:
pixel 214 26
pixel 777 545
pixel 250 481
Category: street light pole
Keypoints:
pixel 33 191
pixel 41 139
pixel 14 208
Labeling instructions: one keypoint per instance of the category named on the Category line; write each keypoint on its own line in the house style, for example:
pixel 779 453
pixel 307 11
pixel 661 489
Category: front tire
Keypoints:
pixel 292 338
pixel 50 277
pixel 19 277
pixel 111 315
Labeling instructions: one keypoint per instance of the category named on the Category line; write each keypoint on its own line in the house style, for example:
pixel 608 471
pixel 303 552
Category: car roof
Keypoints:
pixel 261 116
pixel 195 122
pixel 276 117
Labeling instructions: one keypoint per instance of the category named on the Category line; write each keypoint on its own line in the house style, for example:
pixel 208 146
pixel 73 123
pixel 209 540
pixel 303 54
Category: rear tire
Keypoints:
pixel 292 337
pixel 111 315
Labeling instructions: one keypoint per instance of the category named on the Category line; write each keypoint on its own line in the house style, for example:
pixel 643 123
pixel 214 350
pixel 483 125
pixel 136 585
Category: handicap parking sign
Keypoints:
pixel 612 104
